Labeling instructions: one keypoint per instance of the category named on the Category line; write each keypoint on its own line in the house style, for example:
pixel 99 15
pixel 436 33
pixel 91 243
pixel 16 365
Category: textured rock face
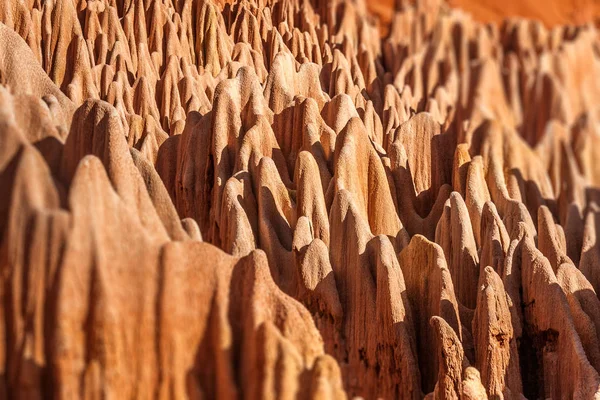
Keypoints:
pixel 265 199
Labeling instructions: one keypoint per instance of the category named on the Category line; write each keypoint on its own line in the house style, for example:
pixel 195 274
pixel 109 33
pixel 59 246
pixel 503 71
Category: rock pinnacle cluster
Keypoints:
pixel 266 199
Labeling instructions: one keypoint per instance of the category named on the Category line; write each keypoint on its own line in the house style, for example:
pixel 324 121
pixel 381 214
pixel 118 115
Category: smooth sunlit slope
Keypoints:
pixel 549 12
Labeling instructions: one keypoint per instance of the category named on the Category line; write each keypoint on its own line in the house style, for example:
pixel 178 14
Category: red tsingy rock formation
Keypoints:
pixel 269 199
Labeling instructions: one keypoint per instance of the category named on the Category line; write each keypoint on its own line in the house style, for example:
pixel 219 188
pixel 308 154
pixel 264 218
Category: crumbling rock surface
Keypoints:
pixel 265 199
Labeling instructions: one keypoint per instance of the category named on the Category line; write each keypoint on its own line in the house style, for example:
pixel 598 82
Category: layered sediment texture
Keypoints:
pixel 263 199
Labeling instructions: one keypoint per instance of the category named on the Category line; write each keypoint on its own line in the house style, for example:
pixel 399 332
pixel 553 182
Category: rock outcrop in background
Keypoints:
pixel 265 199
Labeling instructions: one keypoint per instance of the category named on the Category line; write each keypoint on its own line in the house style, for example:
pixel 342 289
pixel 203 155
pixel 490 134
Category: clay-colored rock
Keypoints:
pixel 249 199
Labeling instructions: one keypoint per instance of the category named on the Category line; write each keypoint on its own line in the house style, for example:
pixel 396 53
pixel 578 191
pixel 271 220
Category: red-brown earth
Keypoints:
pixel 265 199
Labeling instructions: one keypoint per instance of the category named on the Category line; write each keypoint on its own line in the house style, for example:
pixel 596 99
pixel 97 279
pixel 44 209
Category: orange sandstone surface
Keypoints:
pixel 264 200
pixel 549 12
